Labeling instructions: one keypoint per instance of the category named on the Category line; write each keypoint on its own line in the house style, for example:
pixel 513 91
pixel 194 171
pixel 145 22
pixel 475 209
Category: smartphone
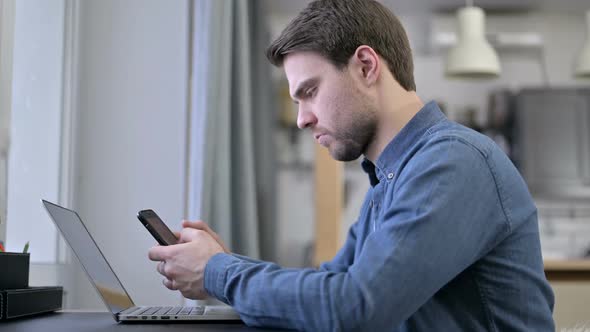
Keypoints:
pixel 157 227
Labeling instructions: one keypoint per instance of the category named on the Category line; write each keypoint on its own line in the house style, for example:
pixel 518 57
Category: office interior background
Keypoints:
pixel 110 107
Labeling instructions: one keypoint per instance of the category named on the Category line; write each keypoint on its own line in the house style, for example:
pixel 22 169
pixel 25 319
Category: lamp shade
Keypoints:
pixel 472 56
pixel 582 68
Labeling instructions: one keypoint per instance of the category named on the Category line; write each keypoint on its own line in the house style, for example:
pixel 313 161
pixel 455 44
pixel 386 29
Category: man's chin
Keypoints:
pixel 343 154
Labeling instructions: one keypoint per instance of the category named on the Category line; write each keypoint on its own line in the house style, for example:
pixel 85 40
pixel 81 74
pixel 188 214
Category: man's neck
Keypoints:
pixel 398 108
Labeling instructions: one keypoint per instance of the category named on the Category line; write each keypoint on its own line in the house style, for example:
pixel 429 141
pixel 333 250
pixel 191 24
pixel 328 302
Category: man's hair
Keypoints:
pixel 336 28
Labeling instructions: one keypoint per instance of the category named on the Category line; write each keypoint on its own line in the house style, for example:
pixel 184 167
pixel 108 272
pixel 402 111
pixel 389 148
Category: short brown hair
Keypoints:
pixel 336 28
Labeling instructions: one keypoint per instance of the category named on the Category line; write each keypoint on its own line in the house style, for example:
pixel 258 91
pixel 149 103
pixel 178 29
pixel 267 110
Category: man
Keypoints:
pixel 447 239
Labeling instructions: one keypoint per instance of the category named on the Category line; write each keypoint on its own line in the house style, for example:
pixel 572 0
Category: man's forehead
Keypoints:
pixel 303 66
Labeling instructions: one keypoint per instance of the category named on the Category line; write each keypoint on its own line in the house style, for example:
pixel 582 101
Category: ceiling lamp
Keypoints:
pixel 583 61
pixel 472 56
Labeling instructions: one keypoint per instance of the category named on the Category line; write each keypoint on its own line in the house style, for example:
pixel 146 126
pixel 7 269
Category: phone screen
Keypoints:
pixel 157 227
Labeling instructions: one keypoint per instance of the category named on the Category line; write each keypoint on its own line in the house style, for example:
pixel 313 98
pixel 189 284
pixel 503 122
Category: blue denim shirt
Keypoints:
pixel 447 240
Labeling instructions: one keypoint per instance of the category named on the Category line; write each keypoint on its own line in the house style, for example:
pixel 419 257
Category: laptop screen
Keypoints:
pixel 98 269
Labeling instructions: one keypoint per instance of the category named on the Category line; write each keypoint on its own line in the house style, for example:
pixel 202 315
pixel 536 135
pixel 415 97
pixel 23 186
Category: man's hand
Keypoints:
pixel 199 224
pixel 183 264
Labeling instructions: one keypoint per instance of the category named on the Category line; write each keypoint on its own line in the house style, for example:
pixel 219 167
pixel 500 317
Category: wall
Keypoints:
pixel 132 102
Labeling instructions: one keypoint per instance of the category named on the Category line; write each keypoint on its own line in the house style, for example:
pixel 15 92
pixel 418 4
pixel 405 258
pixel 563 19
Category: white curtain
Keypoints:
pixel 232 119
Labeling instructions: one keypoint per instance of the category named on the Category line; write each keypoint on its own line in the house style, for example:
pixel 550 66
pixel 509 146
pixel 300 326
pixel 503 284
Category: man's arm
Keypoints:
pixel 442 218
pixel 345 256
pixel 340 263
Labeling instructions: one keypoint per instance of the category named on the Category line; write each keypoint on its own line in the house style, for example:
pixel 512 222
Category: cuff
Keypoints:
pixel 215 274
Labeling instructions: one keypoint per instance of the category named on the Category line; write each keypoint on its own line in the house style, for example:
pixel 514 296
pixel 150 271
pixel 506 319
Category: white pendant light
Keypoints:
pixel 472 56
pixel 583 60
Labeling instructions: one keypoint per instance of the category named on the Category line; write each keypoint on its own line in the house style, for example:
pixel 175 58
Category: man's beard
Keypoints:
pixel 357 133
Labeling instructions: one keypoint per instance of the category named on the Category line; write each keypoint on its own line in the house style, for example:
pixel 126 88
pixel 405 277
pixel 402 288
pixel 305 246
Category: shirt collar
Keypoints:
pixel 388 161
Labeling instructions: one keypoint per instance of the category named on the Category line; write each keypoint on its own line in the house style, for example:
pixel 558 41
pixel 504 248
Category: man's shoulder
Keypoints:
pixel 449 132
pixel 476 153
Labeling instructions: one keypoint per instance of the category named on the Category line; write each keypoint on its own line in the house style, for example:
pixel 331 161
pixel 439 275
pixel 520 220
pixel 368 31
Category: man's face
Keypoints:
pixel 332 103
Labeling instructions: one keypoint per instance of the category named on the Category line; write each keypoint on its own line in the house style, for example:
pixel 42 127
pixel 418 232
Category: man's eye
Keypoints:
pixel 310 92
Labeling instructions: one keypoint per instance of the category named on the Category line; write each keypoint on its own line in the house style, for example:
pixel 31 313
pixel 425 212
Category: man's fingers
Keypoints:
pixel 189 234
pixel 170 284
pixel 199 224
pixel 159 253
pixel 160 268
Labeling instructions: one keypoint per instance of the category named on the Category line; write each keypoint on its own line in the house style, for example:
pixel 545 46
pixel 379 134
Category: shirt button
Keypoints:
pixel 390 176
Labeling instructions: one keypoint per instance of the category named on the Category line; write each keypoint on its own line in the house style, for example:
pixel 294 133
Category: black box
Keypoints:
pixel 14 269
pixel 30 301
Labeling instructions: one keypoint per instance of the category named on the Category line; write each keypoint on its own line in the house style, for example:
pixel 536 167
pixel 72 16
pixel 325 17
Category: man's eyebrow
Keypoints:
pixel 300 91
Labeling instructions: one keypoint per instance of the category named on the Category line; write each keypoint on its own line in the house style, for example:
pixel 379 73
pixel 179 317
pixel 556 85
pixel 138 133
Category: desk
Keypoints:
pixel 104 322
pixel 567 270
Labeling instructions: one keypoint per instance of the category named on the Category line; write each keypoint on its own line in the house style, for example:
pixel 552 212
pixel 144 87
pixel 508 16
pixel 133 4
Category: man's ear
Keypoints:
pixel 368 64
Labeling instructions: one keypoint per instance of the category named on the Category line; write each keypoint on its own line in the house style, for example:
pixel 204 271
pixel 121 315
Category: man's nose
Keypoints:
pixel 305 117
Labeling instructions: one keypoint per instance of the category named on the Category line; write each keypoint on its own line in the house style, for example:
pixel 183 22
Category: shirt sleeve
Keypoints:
pixel 246 258
pixel 345 256
pixel 442 219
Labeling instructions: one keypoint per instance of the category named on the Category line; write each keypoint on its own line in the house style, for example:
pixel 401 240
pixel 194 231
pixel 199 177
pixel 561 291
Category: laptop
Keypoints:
pixel 109 287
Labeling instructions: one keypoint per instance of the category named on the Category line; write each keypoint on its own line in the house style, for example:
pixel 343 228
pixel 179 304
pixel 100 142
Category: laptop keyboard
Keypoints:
pixel 170 311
